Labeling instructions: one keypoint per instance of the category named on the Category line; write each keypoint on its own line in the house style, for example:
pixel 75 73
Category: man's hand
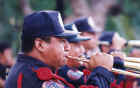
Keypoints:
pixel 101 59
pixel 118 42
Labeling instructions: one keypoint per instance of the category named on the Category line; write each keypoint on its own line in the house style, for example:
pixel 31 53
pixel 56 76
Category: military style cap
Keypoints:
pixel 107 36
pixel 45 23
pixel 78 38
pixel 86 25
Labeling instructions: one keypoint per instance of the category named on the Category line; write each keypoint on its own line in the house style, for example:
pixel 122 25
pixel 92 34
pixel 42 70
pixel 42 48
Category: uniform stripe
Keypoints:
pixel 19 81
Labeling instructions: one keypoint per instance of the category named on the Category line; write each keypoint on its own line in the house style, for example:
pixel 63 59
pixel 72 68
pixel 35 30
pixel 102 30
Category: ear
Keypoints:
pixel 40 45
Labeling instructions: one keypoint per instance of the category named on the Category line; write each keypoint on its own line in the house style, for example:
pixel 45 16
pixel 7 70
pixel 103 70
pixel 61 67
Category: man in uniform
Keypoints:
pixel 115 42
pixel 5 61
pixel 71 71
pixel 43 51
pixel 86 26
pixel 114 47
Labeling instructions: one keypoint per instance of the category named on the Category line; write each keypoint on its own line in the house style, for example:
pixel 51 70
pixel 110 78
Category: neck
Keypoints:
pixel 35 55
pixel 39 56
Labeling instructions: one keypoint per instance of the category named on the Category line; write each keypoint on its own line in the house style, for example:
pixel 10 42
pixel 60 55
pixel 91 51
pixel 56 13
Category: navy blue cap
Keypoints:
pixel 78 38
pixel 107 36
pixel 45 23
pixel 71 27
pixel 86 25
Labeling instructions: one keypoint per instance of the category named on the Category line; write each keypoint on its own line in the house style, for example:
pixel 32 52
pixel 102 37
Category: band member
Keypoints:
pixel 116 42
pixel 86 26
pixel 115 46
pixel 6 61
pixel 76 46
pixel 43 51
pixel 71 71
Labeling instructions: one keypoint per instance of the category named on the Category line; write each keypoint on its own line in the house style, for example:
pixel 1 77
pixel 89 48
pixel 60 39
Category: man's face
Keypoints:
pixel 118 43
pixel 105 48
pixel 76 50
pixel 92 43
pixel 56 51
pixel 7 56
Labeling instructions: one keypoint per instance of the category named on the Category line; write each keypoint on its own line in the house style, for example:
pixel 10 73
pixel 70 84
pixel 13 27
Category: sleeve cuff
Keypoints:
pixel 101 71
pixel 118 63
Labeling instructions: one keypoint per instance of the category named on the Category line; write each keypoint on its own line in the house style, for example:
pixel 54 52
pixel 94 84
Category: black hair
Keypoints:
pixel 28 43
pixel 4 46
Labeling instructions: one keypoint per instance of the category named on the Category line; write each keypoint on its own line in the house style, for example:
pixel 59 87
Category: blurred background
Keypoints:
pixel 122 16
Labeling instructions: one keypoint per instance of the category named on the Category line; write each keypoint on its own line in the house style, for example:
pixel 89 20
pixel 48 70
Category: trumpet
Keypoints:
pixel 126 64
pixel 132 59
pixel 128 43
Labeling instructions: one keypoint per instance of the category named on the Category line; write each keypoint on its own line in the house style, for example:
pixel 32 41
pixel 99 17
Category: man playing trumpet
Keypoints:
pixel 44 48
pixel 115 46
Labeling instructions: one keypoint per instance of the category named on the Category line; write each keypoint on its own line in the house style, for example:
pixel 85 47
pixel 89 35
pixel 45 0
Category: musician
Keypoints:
pixel 86 26
pixel 87 30
pixel 43 46
pixel 76 46
pixel 116 44
pixel 43 51
pixel 6 61
pixel 71 72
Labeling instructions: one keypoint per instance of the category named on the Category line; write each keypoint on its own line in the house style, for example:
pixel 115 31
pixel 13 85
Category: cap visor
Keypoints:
pixel 78 39
pixel 68 34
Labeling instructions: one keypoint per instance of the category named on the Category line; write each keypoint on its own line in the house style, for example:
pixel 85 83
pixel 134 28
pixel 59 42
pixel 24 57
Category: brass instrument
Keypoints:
pixel 132 59
pixel 129 43
pixel 126 64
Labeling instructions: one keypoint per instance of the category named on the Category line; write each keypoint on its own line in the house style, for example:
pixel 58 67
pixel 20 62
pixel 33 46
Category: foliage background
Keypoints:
pixel 127 23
